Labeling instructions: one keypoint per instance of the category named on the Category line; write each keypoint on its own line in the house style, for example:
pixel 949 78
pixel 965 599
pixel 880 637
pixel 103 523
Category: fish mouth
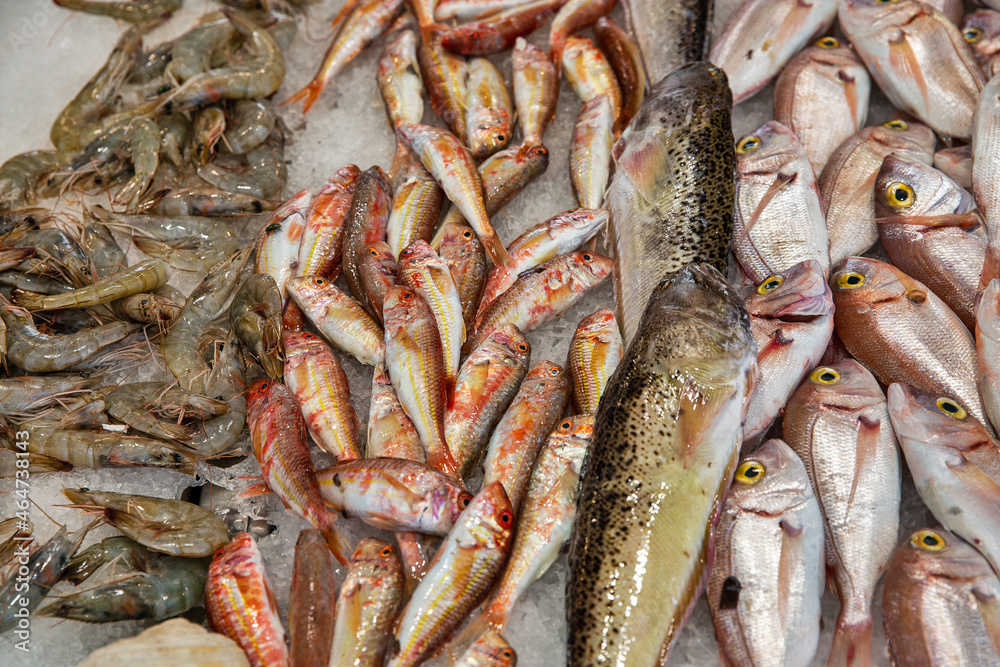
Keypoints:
pixel 806 309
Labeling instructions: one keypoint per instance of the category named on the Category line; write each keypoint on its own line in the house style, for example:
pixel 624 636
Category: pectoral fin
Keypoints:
pixel 699 406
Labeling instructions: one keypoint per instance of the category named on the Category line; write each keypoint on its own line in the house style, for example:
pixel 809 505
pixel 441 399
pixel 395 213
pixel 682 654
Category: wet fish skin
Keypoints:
pixel 240 603
pixel 590 152
pixel 595 351
pixel 669 34
pixel 367 604
pixel 919 60
pixel 390 431
pixel 465 256
pixel 378 272
pixel 416 206
pixel 443 74
pixel 940 598
pixel 276 250
pixel 311 602
pixel 954 460
pixel 536 90
pixel 792 323
pixel 521 433
pixel 500 31
pixel 661 221
pixel 366 223
pixel 956 164
pixel 643 533
pixel 847 183
pixel 765 587
pixel 543 293
pixel 573 16
pixel 341 319
pixel 490 650
pixel 489 379
pixel 826 80
pixel 838 423
pixel 489 113
pixel 626 61
pixel 323 239
pixel 927 225
pixel 988 350
pixel 778 219
pixel 986 174
pixel 903 332
pixel 590 73
pixel 981 30
pixel 460 576
pixel 762 36
pixel 399 80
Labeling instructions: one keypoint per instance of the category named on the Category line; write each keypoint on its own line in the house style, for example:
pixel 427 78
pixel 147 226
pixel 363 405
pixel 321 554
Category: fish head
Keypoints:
pixel 543 374
pixel 490 650
pixel 841 387
pixel 933 420
pixel 860 284
pixel 905 137
pixel 599 323
pixel 533 160
pixel 907 187
pixel 418 253
pixel 259 393
pixel 507 346
pixel 767 149
pixel 301 344
pixel 571 439
pixel 490 520
pixel 447 502
pixel 800 294
pixel 460 240
pixel 372 553
pixel 239 557
pixel 592 267
pixel 489 134
pixel 936 553
pixel 701 290
pixel 381 255
pixel 583 222
pixel 867 19
pixel 403 306
pixel 770 480
pixel 832 53
pixel 980 30
pixel 309 288
pixel 988 313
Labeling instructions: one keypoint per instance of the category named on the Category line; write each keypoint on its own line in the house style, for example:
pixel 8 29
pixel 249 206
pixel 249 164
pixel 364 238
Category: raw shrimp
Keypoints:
pixel 106 258
pixel 208 201
pixel 258 76
pixel 208 127
pixel 173 527
pixel 225 383
pixel 256 319
pixel 193 51
pixel 172 587
pixel 182 342
pixel 14 532
pixel 56 254
pixel 144 276
pixel 175 128
pixel 150 308
pixel 36 352
pixel 133 11
pixel 34 283
pixel 264 176
pixel 37 464
pixel 34 392
pixel 139 405
pixel 117 549
pixel 84 448
pixel 80 122
pixel 21 174
pixel 250 123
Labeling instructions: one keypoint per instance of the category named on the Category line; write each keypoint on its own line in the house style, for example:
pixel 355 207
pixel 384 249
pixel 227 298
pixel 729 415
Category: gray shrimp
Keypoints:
pixel 145 149
pixel 141 406
pixel 258 76
pixel 251 123
pixel 117 549
pixel 175 128
pixel 225 383
pixel 21 175
pixel 142 277
pixel 100 448
pixel 21 395
pixel 133 11
pixel 34 282
pixel 14 532
pixel 106 257
pixel 211 202
pixel 193 51
pixel 256 319
pixel 36 352
pixel 56 254
pixel 44 567
pixel 171 587
pixel 208 127
pixel 263 177
pixel 173 527
pixel 38 464
pixel 79 122
pixel 151 66
pixel 149 308
pixel 183 340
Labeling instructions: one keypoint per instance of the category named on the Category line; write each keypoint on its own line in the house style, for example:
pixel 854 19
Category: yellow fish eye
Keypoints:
pixel 972 35
pixel 928 540
pixel 951 408
pixel 899 195
pixel 748 145
pixel 750 472
pixel 825 375
pixel 770 284
pixel 850 280
pixel 827 42
pixel 896 124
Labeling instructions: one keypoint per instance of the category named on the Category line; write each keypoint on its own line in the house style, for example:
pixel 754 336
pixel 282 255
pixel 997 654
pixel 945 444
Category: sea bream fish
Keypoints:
pixel 666 441
pixel 671 199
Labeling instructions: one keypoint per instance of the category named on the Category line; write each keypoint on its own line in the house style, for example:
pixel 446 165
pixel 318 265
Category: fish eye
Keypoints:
pixel 501 138
pixel 555 371
pixel 319 281
pixel 507 654
pixel 770 284
pixel 896 124
pixel 467 234
pixel 972 35
pixel 308 336
pixel 464 500
pixel 273 227
pixel 264 385
pixel 827 42
pixel 566 425
pixel 373 252
pixel 588 257
pixel 951 408
pixel 850 280
pixel 386 551
pixel 928 540
pixel 886 2
pixel 406 296
pixel 506 518
pixel 218 552
pixel 406 253
pixel 522 347
pixel 899 195
pixel 825 375
pixel 750 472
pixel 748 145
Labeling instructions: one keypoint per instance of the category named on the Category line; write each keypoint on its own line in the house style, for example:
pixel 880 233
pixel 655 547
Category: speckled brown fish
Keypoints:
pixel 662 215
pixel 666 441
pixel 366 223
pixel 310 606
pixel 669 34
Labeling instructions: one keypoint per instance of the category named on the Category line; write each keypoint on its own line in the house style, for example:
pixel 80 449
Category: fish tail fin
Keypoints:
pixel 308 95
pixel 486 621
pixel 495 248
pixel 334 539
pixel 852 645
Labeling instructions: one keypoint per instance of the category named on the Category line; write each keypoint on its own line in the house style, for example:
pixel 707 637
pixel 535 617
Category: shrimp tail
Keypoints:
pixel 852 645
pixel 28 300
pixel 307 95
